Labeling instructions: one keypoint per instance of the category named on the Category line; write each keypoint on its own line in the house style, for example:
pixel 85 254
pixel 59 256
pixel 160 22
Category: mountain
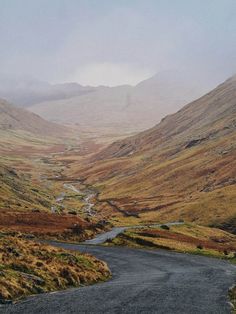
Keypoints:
pixel 193 124
pixel 14 118
pixel 26 92
pixel 183 168
pixel 125 109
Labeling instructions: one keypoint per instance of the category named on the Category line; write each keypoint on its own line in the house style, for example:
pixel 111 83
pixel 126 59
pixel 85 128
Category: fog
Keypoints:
pixel 103 42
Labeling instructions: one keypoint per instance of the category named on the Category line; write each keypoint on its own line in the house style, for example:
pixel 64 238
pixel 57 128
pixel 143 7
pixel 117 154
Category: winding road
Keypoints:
pixel 143 281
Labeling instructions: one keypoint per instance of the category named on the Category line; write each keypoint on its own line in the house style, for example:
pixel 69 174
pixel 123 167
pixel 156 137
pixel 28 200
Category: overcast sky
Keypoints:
pixel 115 42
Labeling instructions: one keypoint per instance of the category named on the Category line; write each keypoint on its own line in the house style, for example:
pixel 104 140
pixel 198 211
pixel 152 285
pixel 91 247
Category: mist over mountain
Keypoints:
pixel 25 92
pixel 133 107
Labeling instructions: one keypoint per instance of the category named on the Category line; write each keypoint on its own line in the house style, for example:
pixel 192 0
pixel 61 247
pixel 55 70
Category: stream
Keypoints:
pixel 87 194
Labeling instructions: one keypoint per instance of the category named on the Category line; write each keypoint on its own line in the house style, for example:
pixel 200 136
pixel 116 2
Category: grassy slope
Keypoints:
pixel 184 168
pixel 196 184
pixel 28 268
pixel 15 118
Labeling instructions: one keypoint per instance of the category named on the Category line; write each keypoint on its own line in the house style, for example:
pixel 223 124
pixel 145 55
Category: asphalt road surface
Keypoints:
pixel 143 281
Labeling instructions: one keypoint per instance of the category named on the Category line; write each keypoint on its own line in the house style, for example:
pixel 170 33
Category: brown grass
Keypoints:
pixel 28 268
pixel 196 184
pixel 182 238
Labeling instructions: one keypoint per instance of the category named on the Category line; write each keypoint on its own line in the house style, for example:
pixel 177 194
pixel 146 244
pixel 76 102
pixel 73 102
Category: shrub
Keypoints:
pixel 77 229
pixel 165 227
pixel 199 246
pixel 72 212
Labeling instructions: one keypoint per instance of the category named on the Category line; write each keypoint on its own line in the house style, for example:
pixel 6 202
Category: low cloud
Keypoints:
pixel 110 74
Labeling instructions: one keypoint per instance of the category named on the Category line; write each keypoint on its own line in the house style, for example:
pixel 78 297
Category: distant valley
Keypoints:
pixel 106 113
pixel 63 179
pixel 182 168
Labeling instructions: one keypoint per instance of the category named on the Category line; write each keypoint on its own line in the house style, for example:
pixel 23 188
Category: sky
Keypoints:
pixel 115 42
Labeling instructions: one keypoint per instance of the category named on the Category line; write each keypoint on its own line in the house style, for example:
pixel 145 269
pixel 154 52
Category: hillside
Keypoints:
pixel 183 168
pixel 13 118
pixel 125 109
pixel 193 124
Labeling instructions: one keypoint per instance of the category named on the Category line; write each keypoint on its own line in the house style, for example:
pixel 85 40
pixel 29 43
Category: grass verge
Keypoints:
pixel 27 267
pixel 186 238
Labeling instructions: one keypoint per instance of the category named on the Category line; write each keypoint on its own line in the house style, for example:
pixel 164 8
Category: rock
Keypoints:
pixel 194 142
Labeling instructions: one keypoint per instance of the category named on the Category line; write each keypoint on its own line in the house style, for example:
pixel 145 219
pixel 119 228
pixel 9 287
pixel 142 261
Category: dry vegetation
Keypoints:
pixel 183 168
pixel 27 267
pixel 187 238
pixel 196 185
